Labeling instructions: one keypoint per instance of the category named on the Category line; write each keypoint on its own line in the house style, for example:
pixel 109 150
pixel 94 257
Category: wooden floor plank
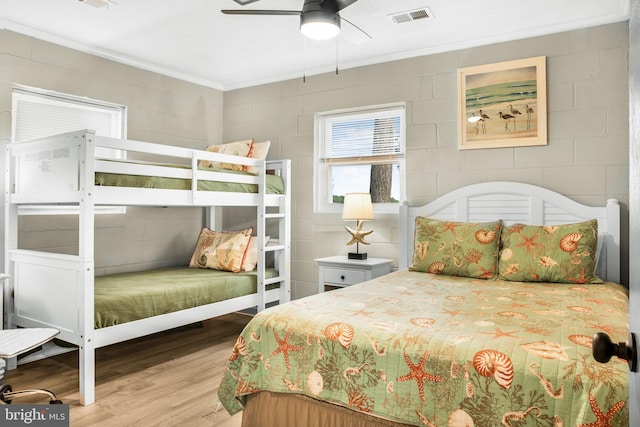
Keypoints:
pixel 165 379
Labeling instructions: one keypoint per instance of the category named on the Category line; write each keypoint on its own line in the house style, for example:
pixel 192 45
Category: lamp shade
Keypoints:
pixel 357 206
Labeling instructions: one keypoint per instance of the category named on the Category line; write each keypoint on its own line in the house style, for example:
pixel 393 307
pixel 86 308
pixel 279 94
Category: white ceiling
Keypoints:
pixel 192 40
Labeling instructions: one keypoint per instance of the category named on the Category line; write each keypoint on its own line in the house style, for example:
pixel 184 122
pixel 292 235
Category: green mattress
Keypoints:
pixel 125 297
pixel 274 182
pixel 435 350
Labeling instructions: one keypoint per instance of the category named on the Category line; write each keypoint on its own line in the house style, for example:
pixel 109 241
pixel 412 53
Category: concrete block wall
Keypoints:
pixel 160 109
pixel 586 157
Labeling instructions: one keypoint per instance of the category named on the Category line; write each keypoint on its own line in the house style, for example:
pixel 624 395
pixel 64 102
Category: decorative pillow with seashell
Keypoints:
pixel 560 253
pixel 221 250
pixel 238 148
pixel 259 150
pixel 466 249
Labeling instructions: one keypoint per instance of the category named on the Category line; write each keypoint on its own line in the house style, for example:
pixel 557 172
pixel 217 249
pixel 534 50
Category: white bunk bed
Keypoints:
pixel 57 290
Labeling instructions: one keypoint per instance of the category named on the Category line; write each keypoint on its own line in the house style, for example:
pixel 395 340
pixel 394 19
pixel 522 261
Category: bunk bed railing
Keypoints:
pixel 58 157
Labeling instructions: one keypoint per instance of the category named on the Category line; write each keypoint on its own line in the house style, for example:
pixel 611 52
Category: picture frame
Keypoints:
pixel 503 104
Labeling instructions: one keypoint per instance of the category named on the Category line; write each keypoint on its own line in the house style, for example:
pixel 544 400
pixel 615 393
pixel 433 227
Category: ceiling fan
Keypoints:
pixel 319 19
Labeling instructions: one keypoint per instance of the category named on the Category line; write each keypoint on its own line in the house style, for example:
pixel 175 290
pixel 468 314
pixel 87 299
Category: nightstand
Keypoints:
pixel 339 271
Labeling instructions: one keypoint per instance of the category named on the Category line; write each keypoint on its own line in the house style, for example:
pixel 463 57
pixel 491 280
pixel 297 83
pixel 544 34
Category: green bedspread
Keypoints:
pixel 432 350
pixel 124 297
pixel 273 182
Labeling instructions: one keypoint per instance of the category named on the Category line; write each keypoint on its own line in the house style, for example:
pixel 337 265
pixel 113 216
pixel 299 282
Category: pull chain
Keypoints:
pixel 336 55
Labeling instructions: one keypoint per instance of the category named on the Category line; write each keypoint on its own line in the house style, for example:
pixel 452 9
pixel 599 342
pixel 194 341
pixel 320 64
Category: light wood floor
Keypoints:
pixel 166 379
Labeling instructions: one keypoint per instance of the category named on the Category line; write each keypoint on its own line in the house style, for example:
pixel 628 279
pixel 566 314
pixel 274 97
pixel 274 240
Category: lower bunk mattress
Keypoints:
pixel 125 297
pixel 421 349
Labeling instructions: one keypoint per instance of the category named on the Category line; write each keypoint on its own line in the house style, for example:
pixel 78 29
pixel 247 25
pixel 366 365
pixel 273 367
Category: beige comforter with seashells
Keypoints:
pixel 433 350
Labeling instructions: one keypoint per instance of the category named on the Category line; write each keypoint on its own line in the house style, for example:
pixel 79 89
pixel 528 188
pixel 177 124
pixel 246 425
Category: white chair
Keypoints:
pixel 14 342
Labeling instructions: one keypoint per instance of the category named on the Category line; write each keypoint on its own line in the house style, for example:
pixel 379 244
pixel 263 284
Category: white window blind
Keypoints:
pixel 349 148
pixel 363 136
pixel 39 113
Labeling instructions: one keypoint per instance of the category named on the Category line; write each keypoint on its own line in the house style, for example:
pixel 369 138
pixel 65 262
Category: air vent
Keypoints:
pixel 411 15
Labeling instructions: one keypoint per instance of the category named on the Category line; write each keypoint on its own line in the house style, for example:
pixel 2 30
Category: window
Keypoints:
pixel 38 113
pixel 360 150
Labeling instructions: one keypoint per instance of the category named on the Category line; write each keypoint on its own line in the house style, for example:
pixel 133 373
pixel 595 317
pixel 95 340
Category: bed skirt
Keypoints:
pixel 268 409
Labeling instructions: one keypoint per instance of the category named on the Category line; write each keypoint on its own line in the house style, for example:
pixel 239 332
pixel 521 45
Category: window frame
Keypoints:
pixel 44 97
pixel 321 169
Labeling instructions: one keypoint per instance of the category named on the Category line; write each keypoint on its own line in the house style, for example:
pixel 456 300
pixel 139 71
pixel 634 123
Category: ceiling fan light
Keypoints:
pixel 319 25
pixel 320 30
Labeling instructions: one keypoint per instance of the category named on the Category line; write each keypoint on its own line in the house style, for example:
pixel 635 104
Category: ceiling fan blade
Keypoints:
pixel 340 4
pixel 259 12
pixel 356 27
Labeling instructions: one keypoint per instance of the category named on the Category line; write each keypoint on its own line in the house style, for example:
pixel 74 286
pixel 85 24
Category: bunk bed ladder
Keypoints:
pixel 280 216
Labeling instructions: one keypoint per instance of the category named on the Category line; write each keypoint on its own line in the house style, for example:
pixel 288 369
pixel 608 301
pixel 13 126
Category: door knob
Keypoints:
pixel 603 349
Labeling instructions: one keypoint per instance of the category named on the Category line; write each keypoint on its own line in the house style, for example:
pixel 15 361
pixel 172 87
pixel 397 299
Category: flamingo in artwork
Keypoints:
pixel 514 113
pixel 484 117
pixel 479 121
pixel 506 118
pixel 529 112
pixel 474 119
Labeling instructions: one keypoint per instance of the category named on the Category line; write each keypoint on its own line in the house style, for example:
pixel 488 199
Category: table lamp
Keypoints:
pixel 358 207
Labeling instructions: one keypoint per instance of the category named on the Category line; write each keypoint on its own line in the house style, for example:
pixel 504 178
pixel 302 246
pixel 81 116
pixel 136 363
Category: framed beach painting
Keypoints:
pixel 503 104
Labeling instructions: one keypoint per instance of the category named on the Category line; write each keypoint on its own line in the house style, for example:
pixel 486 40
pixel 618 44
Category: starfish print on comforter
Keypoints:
pixel 416 372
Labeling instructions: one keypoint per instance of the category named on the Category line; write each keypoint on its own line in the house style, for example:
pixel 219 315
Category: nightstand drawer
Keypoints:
pixel 339 271
pixel 343 276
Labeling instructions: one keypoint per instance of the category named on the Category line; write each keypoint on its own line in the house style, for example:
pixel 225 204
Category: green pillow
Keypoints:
pixel 466 249
pixel 561 253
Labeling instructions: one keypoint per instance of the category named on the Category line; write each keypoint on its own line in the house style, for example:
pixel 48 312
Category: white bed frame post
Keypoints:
pixel 86 222
pixel 403 249
pixel 261 212
pixel 612 242
pixel 10 239
pixel 283 258
pixel 10 243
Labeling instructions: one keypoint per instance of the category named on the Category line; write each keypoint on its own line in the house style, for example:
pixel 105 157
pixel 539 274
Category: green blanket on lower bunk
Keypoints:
pixel 125 297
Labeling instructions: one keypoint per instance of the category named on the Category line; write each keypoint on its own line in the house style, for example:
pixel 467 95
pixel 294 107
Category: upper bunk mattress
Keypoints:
pixel 274 183
pixel 125 297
